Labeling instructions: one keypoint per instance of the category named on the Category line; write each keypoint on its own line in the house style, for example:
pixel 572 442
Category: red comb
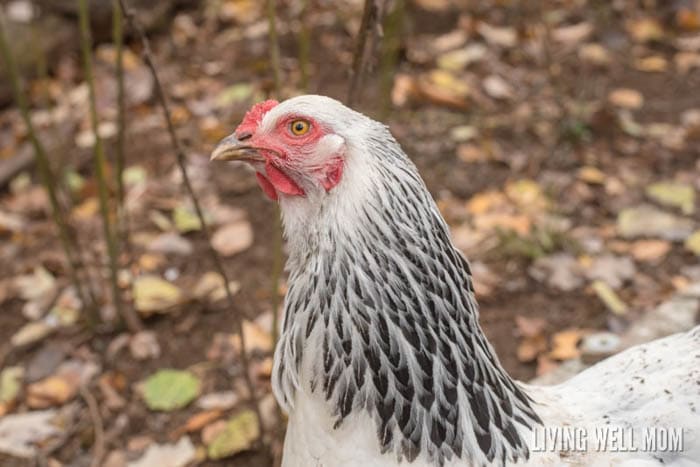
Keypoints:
pixel 254 116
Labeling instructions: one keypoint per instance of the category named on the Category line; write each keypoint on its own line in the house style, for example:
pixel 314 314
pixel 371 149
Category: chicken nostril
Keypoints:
pixel 244 136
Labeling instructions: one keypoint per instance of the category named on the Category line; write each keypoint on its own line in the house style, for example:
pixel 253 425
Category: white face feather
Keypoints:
pixel 352 131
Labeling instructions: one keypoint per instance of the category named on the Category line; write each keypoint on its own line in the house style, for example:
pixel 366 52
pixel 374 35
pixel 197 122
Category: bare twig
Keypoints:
pixel 98 450
pixel 130 318
pixel 118 39
pixel 390 52
pixel 304 44
pixel 181 160
pixel 274 45
pixel 47 178
pixel 369 27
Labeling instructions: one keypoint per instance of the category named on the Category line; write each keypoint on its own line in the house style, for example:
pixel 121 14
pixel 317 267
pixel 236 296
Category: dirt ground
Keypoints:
pixel 554 118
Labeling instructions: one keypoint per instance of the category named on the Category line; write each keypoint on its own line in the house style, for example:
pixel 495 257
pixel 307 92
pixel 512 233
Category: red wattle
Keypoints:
pixel 266 186
pixel 281 181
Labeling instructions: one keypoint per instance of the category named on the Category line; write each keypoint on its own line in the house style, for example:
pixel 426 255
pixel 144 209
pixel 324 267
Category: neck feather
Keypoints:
pixel 378 287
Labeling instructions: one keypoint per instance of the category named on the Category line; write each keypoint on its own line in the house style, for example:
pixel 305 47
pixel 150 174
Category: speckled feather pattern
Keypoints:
pixel 381 360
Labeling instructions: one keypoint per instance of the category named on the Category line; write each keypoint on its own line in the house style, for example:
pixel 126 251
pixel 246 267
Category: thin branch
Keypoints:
pixel 181 160
pixel 365 37
pixel 118 39
pixel 304 44
pixel 390 53
pixel 98 450
pixel 47 178
pixel 130 318
pixel 274 46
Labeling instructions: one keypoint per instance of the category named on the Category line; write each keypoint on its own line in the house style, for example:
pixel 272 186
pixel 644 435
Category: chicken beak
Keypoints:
pixel 231 149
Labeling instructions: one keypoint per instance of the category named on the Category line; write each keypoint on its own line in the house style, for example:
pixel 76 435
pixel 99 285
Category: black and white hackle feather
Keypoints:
pixel 381 360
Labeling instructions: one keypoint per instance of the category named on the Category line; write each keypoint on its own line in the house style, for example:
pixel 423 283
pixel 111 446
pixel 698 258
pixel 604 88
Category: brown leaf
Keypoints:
pixel 530 327
pixel 233 238
pixel 650 251
pixel 645 30
pixel 565 344
pixel 51 391
pixel 626 98
pixel 530 348
pixel 196 422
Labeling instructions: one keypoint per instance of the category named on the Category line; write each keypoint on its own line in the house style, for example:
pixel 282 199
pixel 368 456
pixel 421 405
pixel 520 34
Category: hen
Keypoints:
pixel 381 361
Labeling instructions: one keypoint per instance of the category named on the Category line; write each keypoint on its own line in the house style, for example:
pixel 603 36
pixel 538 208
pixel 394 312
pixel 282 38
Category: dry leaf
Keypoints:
pixel 608 296
pixel 654 64
pixel 501 36
pixel 233 238
pixel 196 422
pixel 51 391
pixel 645 30
pixel 497 87
pixel 650 250
pixel 626 98
pixel 153 294
pixel 573 34
pixel 565 344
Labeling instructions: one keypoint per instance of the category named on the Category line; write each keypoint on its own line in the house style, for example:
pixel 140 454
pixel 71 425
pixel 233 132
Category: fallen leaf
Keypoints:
pixel 688 19
pixel 598 346
pixel 167 455
pixel 595 54
pixel 692 243
pixel 463 133
pixel 444 88
pixel 234 94
pixel 456 60
pixel 611 269
pixel 530 347
pixel 497 87
pixel 20 433
pixel 608 296
pixel 645 29
pixel 652 64
pixel 560 271
pixel 233 238
pixel 31 333
pixel 223 400
pixel 565 344
pixel 240 433
pixel 210 287
pixel 170 243
pixel 51 391
pixel 626 98
pixel 10 384
pixel 168 390
pixel 144 345
pixel 648 221
pixel 501 36
pixel 153 294
pixel 650 250
pixel 257 340
pixel 185 219
pixel 197 421
pixel 591 175
pixel 674 194
pixel 572 34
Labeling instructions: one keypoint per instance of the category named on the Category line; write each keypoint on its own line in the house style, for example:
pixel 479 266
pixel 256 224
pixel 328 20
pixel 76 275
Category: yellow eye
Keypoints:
pixel 299 127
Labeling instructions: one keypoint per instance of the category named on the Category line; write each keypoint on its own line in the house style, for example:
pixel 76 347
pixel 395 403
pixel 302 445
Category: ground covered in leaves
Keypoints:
pixel 561 140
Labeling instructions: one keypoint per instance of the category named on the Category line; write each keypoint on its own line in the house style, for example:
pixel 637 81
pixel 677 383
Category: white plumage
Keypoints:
pixel 381 361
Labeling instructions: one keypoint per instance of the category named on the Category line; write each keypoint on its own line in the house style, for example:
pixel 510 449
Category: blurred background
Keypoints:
pixel 561 140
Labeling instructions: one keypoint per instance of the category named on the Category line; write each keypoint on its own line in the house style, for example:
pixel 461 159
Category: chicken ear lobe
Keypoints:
pixel 332 174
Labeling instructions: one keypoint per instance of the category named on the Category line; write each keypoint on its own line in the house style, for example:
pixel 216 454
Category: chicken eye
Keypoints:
pixel 299 127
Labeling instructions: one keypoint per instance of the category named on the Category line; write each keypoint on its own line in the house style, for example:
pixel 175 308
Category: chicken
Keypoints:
pixel 381 360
